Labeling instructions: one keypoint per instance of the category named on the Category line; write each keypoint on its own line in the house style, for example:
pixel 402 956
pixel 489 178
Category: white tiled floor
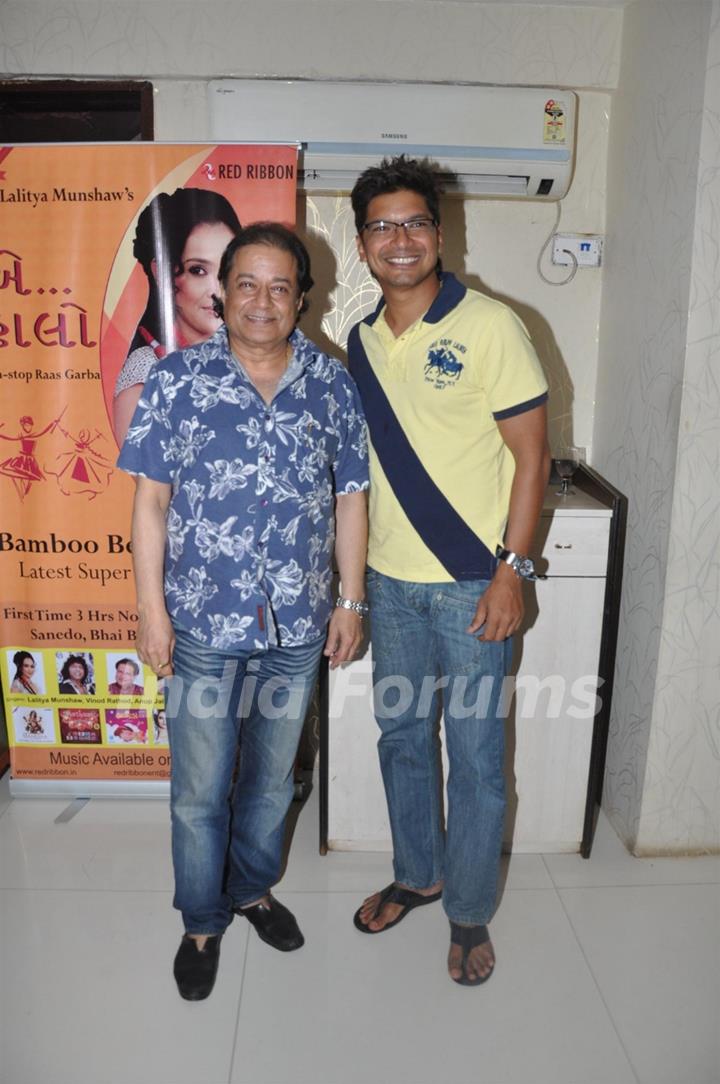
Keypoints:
pixel 608 969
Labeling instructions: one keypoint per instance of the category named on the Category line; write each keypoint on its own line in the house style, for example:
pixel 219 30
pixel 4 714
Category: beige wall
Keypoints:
pixel 433 40
pixel 680 807
pixel 656 425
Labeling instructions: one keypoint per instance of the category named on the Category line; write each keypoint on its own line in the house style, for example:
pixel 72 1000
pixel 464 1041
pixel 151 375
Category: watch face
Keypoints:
pixel 525 567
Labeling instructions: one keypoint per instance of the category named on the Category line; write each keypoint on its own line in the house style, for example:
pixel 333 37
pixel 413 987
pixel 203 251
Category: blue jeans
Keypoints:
pixel 234 723
pixel 421 652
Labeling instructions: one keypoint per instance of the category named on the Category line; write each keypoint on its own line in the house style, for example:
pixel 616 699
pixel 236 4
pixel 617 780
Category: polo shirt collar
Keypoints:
pixel 450 294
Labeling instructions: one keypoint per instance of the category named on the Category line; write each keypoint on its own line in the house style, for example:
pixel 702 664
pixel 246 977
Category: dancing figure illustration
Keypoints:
pixel 83 470
pixel 33 723
pixel 24 468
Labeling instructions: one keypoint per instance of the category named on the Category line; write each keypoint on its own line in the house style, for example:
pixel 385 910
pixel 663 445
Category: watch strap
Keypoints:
pixel 523 566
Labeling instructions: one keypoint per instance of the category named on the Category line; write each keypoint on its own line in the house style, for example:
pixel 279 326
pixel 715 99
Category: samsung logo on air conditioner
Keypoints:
pixel 393 135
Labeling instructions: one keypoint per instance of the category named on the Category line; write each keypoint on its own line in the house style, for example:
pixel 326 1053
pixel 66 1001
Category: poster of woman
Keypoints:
pixel 26 672
pixel 179 240
pixel 161 288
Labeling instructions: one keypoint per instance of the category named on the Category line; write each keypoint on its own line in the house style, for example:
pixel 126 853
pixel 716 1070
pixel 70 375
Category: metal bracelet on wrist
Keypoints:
pixel 361 608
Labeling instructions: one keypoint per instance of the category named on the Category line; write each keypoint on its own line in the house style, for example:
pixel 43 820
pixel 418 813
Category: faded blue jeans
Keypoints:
pixel 421 652
pixel 244 710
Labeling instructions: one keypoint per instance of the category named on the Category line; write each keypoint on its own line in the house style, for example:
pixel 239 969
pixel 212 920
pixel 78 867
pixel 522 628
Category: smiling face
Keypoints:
pixel 125 675
pixel 197 281
pixel 76 670
pixel 261 300
pixel 401 260
pixel 28 668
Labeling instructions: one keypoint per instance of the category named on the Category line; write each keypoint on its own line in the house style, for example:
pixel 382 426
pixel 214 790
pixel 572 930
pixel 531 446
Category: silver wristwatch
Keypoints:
pixel 361 608
pixel 523 566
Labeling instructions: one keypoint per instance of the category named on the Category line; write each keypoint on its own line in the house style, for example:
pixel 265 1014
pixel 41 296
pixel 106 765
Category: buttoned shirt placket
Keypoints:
pixel 265 483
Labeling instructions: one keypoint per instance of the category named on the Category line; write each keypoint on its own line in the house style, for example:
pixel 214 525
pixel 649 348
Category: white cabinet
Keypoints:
pixel 549 729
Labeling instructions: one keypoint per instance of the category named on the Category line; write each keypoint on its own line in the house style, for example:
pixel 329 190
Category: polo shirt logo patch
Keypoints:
pixel 442 367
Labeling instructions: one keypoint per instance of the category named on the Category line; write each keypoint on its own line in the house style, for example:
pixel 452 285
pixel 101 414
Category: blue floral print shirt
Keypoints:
pixel 251 525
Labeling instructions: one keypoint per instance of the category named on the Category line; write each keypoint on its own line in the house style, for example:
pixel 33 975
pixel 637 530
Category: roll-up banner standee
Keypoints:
pixel 106 254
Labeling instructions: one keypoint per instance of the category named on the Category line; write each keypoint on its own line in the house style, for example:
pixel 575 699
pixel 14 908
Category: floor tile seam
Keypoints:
pixel 98 891
pixel 530 888
pixel 597 986
pixel 635 885
pixel 236 1033
pixel 279 891
pixel 621 884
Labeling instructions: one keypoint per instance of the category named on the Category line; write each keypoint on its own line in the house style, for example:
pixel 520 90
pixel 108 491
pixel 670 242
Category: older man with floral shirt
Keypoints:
pixel 250 456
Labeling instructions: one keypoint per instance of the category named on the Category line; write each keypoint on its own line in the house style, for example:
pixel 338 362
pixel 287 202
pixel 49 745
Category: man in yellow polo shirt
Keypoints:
pixel 455 401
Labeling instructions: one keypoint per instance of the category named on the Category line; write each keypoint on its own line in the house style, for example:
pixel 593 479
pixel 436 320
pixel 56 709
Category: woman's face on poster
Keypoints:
pixel 197 281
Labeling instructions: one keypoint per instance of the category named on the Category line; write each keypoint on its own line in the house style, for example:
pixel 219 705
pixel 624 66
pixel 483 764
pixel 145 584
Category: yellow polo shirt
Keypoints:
pixel 449 378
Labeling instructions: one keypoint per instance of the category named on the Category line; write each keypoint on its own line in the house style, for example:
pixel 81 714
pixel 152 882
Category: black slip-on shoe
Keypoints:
pixel 275 925
pixel 195 969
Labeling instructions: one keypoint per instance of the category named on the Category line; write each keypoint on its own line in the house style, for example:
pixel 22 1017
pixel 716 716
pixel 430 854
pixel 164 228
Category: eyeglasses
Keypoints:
pixel 382 228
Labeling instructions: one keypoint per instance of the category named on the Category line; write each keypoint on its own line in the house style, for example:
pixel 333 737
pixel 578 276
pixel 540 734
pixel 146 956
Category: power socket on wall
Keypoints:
pixel 585 247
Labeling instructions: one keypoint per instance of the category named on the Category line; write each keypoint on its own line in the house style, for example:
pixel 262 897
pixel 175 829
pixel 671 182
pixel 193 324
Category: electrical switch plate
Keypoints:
pixel 585 247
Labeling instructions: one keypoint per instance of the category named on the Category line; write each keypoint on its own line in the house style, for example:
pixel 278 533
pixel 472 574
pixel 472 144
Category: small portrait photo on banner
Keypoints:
pixel 75 673
pixel 34 726
pixel 26 675
pixel 126 727
pixel 124 675
pixel 160 734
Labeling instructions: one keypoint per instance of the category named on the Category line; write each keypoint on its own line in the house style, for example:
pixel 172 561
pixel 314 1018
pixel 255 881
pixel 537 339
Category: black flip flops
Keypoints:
pixel 394 894
pixel 468 937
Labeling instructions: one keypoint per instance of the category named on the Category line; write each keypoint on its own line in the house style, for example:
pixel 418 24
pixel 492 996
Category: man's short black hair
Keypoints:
pixel 395 175
pixel 275 235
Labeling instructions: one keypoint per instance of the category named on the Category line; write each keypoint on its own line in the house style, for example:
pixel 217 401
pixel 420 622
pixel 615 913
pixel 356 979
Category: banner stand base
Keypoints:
pixel 90 788
pixel 72 810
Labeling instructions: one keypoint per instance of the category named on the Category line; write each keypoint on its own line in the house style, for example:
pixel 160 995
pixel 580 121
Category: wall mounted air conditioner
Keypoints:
pixel 499 141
